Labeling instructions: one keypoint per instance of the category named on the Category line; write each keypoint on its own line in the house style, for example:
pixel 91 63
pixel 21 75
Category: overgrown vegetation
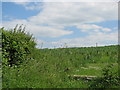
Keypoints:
pixel 110 79
pixel 49 68
pixel 16 46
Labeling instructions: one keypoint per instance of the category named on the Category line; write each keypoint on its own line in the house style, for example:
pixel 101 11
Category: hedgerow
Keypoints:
pixel 17 46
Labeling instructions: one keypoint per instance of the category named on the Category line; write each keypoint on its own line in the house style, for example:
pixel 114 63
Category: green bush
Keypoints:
pixel 110 79
pixel 16 45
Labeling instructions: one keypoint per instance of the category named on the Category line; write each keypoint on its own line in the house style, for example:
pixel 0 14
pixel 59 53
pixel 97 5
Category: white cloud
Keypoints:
pixel 106 29
pixel 38 30
pixel 21 3
pixel 44 31
pixel 91 40
pixel 75 13
pixel 30 5
pixel 18 1
pixel 59 15
pixel 67 14
pixel 90 28
pixel 61 0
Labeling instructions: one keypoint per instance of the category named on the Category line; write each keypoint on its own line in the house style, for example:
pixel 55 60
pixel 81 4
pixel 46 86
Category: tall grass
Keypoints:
pixel 49 68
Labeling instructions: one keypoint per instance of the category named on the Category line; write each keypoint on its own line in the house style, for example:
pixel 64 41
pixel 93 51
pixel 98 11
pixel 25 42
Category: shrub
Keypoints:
pixel 16 45
pixel 110 79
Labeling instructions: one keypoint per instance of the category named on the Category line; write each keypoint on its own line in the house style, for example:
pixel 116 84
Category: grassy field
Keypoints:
pixel 49 68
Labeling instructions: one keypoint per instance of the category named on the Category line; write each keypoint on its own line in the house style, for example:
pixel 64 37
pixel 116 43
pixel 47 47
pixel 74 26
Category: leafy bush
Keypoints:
pixel 110 79
pixel 16 45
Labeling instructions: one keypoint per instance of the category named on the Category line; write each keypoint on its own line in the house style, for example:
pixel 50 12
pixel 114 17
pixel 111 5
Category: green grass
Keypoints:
pixel 47 68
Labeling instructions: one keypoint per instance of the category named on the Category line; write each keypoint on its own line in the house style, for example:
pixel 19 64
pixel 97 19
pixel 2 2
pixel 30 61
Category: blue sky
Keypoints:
pixel 54 24
pixel 16 11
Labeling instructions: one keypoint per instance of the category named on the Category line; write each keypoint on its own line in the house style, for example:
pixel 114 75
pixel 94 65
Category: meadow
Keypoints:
pixel 47 67
pixel 25 66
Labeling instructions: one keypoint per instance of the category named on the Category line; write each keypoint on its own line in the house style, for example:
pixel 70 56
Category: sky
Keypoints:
pixel 61 24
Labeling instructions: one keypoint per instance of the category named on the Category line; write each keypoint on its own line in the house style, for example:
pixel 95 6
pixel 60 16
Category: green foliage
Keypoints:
pixel 110 79
pixel 16 46
pixel 50 68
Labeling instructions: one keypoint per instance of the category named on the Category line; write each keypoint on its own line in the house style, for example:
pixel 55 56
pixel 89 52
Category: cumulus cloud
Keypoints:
pixel 38 30
pixel 61 0
pixel 44 31
pixel 16 1
pixel 54 17
pixel 90 28
pixel 88 41
pixel 75 13
pixel 21 3
pixel 69 14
